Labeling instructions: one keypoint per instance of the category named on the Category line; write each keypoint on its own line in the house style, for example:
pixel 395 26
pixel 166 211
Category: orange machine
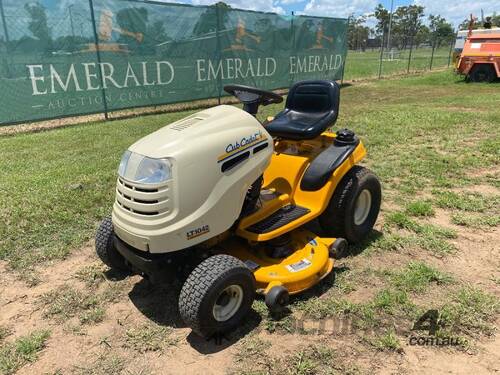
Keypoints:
pixel 480 58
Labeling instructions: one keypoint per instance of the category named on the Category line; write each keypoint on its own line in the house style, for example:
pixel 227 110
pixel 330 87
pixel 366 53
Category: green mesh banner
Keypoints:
pixel 65 58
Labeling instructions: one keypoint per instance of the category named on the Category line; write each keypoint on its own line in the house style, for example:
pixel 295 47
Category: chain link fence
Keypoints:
pixel 379 57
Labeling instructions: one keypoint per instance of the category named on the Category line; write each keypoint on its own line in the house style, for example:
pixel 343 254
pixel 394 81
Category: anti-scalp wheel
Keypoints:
pixel 277 298
pixel 339 249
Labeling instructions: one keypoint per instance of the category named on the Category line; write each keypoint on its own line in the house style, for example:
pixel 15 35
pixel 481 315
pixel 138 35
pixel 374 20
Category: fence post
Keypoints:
pixel 4 23
pixel 71 19
pixel 381 54
pixel 413 33
pixel 451 50
pixel 346 51
pixel 98 55
pixel 218 52
pixel 409 55
pixel 292 47
pixel 7 39
pixel 432 53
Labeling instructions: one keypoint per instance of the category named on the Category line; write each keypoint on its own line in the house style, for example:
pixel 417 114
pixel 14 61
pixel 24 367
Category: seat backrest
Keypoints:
pixel 314 96
pixel 311 108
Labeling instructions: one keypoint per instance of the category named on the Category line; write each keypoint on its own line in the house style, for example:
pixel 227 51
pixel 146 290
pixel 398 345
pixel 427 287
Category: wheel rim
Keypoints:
pixel 228 303
pixel 362 207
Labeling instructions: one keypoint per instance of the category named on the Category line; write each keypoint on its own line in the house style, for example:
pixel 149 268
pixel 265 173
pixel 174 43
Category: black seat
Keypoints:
pixel 311 107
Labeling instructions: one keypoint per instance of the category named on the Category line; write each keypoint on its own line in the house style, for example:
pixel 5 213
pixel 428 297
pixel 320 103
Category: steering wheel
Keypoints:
pixel 252 97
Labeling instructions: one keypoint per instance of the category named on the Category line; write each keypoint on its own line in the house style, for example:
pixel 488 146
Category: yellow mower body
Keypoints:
pixel 230 202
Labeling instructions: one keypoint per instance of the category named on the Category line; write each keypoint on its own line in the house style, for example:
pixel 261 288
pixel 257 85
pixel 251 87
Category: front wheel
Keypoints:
pixel 217 295
pixel 105 247
pixel 354 206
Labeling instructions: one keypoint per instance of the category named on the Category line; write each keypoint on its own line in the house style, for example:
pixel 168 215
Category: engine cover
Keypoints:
pixel 216 155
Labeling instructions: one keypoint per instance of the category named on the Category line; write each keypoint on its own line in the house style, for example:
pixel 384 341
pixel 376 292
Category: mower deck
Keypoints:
pixel 307 264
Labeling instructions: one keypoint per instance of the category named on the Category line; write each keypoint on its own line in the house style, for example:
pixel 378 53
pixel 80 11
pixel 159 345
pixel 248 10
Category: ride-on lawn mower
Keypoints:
pixel 220 200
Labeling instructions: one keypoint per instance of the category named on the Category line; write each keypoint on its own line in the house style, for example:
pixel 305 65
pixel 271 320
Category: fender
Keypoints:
pixel 324 165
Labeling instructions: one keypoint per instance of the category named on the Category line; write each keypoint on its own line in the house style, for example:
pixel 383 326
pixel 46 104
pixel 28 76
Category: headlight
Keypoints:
pixel 144 170
pixel 123 163
pixel 153 171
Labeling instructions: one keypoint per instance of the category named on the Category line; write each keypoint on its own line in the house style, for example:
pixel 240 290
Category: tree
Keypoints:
pixel 464 25
pixel 38 25
pixel 441 30
pixel 358 33
pixel 495 22
pixel 407 21
pixel 383 16
pixel 495 19
pixel 423 35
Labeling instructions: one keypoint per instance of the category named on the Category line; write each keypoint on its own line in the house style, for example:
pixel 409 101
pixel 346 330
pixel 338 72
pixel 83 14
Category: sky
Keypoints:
pixel 453 10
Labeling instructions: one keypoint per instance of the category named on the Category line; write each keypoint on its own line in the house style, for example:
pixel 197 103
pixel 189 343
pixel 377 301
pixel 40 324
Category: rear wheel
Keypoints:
pixel 105 248
pixel 217 295
pixel 482 73
pixel 354 206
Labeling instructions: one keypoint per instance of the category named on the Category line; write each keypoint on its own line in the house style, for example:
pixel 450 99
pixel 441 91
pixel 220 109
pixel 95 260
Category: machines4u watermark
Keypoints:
pixel 431 323
pixel 436 341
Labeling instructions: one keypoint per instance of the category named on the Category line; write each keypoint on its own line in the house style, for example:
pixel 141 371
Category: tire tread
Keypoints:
pixel 333 219
pixel 198 284
pixel 104 246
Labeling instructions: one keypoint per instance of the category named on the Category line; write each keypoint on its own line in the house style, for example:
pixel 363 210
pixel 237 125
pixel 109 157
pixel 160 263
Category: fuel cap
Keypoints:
pixel 345 137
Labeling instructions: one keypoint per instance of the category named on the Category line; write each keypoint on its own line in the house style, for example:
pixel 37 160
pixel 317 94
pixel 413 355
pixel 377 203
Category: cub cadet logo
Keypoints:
pixel 197 232
pixel 243 144
pixel 246 141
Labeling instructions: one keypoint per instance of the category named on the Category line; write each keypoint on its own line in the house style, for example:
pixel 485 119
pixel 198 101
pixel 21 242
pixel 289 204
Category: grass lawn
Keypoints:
pixel 433 140
pixel 425 133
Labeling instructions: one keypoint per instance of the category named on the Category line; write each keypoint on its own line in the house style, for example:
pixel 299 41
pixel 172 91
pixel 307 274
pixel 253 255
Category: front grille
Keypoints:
pixel 142 200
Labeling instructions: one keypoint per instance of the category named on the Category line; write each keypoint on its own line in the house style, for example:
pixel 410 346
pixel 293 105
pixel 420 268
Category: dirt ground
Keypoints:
pixel 104 347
